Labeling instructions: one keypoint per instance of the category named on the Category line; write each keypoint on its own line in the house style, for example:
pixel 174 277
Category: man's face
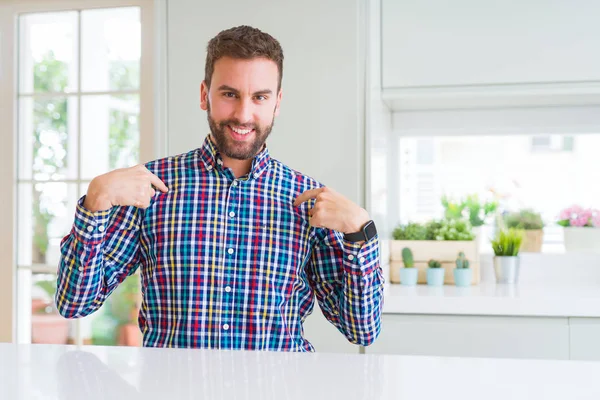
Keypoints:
pixel 241 104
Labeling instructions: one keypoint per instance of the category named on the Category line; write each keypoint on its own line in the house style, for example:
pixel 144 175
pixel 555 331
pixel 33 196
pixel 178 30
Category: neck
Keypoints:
pixel 238 167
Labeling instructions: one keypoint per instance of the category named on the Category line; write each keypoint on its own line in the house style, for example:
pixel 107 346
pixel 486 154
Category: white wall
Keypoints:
pixel 381 201
pixel 320 130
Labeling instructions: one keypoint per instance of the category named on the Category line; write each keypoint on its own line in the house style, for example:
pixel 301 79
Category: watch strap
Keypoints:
pixel 367 232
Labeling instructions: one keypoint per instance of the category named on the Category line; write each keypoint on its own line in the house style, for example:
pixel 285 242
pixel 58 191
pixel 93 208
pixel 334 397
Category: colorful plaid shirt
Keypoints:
pixel 224 263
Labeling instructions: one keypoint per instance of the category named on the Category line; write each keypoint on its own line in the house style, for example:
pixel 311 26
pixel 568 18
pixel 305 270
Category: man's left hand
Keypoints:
pixel 333 211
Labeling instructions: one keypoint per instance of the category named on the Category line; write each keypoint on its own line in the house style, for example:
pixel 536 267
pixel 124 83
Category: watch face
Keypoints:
pixel 370 230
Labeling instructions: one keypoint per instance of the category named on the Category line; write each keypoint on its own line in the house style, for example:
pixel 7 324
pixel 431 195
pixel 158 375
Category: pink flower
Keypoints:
pixel 579 221
pixel 571 212
pixel 579 216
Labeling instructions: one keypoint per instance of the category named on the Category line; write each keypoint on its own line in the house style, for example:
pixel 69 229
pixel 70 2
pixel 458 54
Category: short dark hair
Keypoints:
pixel 244 42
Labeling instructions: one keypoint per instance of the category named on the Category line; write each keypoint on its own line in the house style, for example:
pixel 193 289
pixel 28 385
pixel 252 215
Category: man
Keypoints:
pixel 232 245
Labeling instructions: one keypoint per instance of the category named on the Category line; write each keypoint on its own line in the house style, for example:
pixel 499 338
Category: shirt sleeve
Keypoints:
pixel 101 250
pixel 348 283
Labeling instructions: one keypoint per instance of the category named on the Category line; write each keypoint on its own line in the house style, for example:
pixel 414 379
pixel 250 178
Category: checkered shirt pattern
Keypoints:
pixel 224 263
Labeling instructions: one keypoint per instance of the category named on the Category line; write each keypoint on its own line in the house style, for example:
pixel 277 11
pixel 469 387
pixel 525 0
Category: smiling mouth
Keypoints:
pixel 240 133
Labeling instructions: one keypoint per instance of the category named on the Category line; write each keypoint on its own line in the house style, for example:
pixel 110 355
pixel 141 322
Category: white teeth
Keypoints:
pixel 241 131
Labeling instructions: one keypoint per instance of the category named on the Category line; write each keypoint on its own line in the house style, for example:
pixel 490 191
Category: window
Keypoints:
pixel 504 168
pixel 552 143
pixel 83 107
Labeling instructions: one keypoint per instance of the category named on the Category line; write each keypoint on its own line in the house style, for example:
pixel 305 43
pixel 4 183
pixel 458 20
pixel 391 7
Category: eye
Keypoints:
pixel 261 97
pixel 230 95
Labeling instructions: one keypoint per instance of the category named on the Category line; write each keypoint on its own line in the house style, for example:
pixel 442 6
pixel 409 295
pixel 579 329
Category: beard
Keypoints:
pixel 232 148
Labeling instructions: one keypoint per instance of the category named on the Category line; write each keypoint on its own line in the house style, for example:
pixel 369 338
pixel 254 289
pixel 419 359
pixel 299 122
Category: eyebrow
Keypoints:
pixel 230 89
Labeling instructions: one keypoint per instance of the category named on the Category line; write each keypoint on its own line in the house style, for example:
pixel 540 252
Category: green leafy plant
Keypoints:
pixel 450 229
pixel 462 261
pixel 407 258
pixel 507 242
pixel 443 229
pixel 434 264
pixel 478 211
pixel 470 207
pixel 410 231
pixel 432 228
pixel 452 209
pixel 526 219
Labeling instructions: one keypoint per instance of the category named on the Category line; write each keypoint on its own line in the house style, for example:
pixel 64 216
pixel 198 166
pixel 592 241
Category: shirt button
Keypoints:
pixel 80 268
pixel 234 183
pixel 220 162
pixel 209 167
pixel 232 214
pixel 226 326
pixel 101 228
pixel 90 228
pixel 227 289
pixel 350 257
pixel 362 259
pixel 230 251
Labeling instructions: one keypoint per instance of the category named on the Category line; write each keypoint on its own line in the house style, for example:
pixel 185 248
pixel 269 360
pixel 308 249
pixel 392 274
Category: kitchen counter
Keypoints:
pixel 550 300
pixel 118 373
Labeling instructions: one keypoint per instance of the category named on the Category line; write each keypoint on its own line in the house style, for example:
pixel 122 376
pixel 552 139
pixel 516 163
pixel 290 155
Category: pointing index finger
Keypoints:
pixel 155 180
pixel 307 195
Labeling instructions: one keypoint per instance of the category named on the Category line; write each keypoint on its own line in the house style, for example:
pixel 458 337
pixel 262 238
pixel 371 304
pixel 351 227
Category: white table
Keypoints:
pixel 117 373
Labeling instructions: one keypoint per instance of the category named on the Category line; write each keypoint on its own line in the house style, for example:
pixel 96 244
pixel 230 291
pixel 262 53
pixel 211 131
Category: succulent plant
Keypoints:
pixel 410 231
pixel 462 261
pixel 450 229
pixel 407 258
pixel 434 264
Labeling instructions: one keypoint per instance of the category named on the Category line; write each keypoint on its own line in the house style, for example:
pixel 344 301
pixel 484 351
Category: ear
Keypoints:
pixel 204 96
pixel 278 102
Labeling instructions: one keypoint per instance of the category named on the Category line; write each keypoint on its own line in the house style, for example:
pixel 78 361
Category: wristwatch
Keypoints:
pixel 366 233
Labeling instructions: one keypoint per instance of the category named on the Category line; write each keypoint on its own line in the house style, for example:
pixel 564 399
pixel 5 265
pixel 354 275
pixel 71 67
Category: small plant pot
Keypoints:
pixel 408 276
pixel 435 276
pixel 463 276
pixel 506 269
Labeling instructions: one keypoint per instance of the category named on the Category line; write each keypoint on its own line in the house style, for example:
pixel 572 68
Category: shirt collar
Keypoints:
pixel 211 158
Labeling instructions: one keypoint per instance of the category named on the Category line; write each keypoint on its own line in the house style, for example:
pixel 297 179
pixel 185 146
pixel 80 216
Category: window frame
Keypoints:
pixel 152 143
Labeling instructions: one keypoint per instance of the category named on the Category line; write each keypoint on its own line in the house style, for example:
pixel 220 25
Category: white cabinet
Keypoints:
pixel 473 336
pixel 585 338
pixel 441 54
pixel 474 42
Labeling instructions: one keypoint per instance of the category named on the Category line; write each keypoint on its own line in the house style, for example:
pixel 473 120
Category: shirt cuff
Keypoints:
pixel 90 227
pixel 361 258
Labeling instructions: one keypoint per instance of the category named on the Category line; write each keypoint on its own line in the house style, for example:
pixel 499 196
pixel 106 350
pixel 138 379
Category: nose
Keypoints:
pixel 243 111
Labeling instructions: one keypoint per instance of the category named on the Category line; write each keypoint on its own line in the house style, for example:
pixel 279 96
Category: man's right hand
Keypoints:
pixel 123 187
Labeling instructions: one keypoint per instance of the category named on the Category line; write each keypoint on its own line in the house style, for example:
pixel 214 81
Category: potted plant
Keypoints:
pixel 435 273
pixel 581 231
pixel 506 247
pixel 463 274
pixel 471 208
pixel 439 239
pixel 532 225
pixel 408 274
